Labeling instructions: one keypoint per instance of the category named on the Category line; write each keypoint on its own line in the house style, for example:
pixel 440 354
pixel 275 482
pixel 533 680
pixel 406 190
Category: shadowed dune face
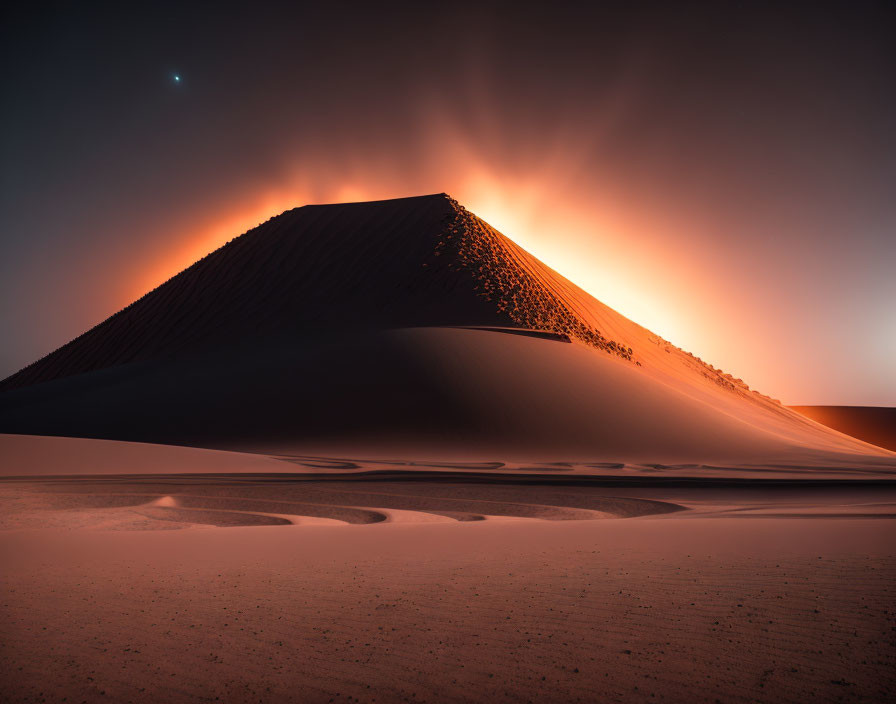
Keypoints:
pixel 334 268
pixel 422 393
pixel 379 325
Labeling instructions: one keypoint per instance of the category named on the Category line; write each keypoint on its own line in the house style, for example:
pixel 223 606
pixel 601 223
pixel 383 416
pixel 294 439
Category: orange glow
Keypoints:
pixel 586 239
pixel 636 249
pixel 205 236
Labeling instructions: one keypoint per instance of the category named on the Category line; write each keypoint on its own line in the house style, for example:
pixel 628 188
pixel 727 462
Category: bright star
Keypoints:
pixel 176 78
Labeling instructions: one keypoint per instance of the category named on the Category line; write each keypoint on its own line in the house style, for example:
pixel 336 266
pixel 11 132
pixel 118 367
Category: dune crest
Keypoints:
pixel 379 325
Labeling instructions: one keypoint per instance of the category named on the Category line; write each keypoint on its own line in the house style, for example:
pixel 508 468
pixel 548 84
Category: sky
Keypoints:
pixel 721 173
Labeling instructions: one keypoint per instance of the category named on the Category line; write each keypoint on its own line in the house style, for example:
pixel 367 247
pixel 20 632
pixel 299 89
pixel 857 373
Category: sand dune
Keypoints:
pixel 439 472
pixel 381 328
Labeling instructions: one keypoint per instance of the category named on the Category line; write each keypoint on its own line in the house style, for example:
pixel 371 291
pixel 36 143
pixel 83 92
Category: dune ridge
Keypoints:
pixel 306 268
pixel 525 292
pixel 342 326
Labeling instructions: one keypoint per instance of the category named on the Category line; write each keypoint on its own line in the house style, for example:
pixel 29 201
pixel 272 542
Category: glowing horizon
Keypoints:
pixel 491 210
pixel 741 210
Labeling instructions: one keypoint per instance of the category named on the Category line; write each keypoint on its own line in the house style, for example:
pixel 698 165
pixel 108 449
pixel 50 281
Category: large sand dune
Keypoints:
pixel 376 452
pixel 381 328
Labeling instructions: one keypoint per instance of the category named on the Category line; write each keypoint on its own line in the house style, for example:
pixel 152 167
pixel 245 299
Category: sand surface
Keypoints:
pixel 477 582
pixel 670 608
pixel 35 456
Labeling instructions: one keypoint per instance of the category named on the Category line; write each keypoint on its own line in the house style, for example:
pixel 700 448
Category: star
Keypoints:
pixel 176 78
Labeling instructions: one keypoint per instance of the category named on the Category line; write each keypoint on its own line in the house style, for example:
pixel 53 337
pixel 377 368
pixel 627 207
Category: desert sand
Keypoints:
pixel 364 587
pixel 377 452
pixel 331 579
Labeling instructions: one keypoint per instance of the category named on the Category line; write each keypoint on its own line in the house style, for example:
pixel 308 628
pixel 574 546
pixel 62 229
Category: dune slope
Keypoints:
pixel 382 324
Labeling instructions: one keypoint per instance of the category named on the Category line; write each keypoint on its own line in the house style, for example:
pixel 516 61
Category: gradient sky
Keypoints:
pixel 720 173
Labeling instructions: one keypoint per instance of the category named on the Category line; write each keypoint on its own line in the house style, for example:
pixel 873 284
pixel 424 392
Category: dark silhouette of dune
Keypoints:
pixel 380 325
pixel 319 267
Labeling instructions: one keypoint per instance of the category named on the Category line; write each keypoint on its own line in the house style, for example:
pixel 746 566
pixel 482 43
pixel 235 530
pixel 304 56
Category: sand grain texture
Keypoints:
pixel 613 610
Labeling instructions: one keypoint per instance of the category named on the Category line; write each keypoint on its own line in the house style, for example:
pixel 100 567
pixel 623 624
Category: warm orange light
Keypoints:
pixel 206 235
pixel 533 209
pixel 545 199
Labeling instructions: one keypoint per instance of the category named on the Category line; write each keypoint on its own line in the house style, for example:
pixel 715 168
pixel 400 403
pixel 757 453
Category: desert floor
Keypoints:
pixel 235 588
